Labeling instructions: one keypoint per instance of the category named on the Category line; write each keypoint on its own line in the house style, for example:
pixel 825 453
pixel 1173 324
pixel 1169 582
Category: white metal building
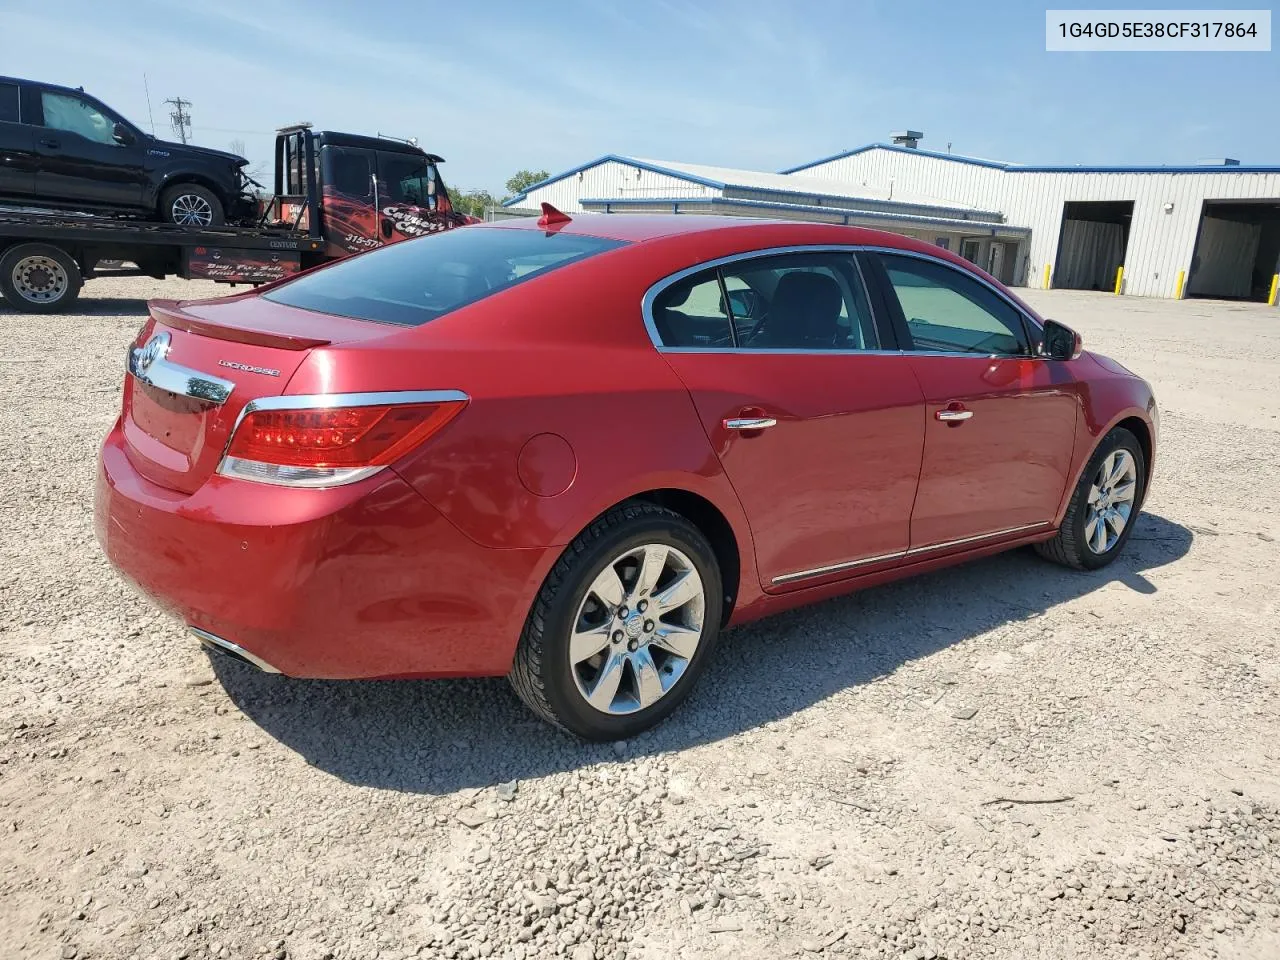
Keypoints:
pixel 614 184
pixel 1212 229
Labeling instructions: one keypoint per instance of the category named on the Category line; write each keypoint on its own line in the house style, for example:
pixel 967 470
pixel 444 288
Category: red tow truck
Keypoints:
pixel 335 194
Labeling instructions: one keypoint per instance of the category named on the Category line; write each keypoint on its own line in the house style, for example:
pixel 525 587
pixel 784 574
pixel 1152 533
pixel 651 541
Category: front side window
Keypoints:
pixel 416 281
pixel 74 115
pixel 8 103
pixel 348 171
pixel 949 312
pixel 800 301
pixel 409 180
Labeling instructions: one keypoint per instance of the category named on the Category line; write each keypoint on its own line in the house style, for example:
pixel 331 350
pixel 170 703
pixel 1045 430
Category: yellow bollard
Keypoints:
pixel 1046 276
pixel 1275 283
pixel 1119 278
pixel 1182 276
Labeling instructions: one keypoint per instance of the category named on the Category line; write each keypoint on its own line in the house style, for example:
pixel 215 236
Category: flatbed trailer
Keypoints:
pixel 320 212
pixel 47 257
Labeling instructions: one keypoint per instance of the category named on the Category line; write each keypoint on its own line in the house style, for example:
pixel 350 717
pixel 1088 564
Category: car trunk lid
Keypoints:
pixel 194 368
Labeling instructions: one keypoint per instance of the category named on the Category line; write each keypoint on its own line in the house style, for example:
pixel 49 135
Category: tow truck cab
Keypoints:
pixel 357 193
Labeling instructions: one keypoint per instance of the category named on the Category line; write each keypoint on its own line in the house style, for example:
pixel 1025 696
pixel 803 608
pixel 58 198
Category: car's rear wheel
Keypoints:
pixel 39 278
pixel 1103 507
pixel 191 205
pixel 622 626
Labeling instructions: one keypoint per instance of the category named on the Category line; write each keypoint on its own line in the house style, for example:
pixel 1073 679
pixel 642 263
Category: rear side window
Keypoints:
pixel 415 281
pixel 691 313
pixel 8 103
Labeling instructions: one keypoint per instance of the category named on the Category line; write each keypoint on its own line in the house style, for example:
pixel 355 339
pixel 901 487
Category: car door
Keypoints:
pixel 81 158
pixel 1000 422
pixel 411 199
pixel 17 147
pixel 820 433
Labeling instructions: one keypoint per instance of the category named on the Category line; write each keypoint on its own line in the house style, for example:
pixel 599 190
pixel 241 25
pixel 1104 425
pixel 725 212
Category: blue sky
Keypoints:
pixel 494 86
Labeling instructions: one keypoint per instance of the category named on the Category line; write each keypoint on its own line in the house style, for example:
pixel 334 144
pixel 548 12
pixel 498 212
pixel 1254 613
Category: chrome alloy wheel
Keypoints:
pixel 637 629
pixel 40 279
pixel 1111 501
pixel 192 210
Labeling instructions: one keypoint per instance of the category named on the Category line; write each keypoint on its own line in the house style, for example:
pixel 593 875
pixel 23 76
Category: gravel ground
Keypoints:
pixel 1005 760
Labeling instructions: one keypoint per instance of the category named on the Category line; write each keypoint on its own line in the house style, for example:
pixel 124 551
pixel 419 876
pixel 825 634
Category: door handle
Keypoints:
pixel 749 423
pixel 953 416
pixel 386 227
pixel 53 144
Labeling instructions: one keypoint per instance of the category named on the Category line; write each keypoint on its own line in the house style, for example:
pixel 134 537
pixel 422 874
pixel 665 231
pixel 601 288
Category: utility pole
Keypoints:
pixel 179 118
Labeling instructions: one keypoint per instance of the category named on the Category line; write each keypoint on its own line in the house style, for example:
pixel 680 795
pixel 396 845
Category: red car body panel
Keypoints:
pixel 857 444
pixel 1007 466
pixel 357 581
pixel 429 568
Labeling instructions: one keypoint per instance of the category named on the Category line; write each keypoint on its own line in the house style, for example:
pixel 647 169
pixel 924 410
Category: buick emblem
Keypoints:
pixel 151 351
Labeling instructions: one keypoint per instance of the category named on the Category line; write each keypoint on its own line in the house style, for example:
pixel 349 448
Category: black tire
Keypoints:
pixel 542 674
pixel 31 282
pixel 1070 547
pixel 192 198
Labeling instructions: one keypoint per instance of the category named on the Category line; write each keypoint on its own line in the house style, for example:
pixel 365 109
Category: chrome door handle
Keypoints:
pixel 949 416
pixel 749 423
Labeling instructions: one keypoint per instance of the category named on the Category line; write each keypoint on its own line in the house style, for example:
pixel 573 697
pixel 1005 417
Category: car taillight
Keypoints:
pixel 328 441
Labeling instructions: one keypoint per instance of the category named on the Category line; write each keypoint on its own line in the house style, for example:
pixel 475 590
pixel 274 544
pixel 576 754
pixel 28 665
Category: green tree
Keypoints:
pixel 523 180
pixel 473 202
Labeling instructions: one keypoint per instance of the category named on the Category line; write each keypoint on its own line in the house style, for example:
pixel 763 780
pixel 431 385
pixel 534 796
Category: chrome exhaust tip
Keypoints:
pixel 235 651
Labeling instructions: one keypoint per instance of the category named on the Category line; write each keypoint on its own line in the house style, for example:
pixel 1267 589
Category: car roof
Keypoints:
pixel 52 86
pixel 742 234
pixel 637 228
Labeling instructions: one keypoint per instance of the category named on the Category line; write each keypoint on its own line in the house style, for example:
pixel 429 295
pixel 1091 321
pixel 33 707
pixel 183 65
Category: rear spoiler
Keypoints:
pixel 171 314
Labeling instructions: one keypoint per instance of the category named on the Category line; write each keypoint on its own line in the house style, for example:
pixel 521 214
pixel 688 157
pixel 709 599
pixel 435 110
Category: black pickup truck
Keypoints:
pixel 60 147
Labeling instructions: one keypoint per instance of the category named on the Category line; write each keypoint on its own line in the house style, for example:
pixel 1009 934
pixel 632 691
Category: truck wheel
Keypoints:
pixel 191 205
pixel 39 278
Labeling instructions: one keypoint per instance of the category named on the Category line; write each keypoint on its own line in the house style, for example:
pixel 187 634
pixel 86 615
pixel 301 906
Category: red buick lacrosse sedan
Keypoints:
pixel 572 451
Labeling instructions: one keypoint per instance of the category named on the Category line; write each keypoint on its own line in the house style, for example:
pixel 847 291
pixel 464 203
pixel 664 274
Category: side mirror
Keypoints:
pixel 1060 342
pixel 122 135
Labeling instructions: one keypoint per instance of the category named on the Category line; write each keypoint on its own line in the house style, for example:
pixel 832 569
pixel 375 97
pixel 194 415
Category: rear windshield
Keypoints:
pixel 414 281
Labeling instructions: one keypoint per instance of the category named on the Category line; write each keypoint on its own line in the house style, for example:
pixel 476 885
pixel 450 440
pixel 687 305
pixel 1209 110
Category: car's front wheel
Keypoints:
pixel 191 205
pixel 622 626
pixel 1103 507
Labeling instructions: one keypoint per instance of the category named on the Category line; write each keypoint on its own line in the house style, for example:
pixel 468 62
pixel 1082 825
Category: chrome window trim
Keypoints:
pixel 913 551
pixel 656 289
pixel 162 373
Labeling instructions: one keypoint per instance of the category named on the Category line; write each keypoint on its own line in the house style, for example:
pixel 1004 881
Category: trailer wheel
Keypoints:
pixel 39 278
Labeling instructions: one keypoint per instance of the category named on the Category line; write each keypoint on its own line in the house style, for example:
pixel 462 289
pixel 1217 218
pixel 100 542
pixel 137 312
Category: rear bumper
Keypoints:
pixel 367 580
